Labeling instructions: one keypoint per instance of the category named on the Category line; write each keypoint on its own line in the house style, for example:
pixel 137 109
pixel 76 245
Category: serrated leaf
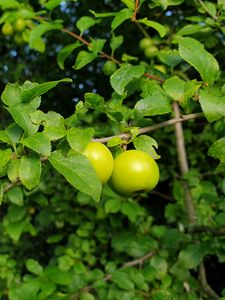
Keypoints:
pixel 115 142
pixel 11 94
pixel 65 52
pixel 21 115
pixel 120 17
pixel 147 144
pixel 122 280
pixel 195 54
pixel 40 89
pixel 130 209
pixel 191 256
pixel 54 127
pixel 191 29
pixel 157 26
pixel 38 142
pixel 13 169
pixel 217 150
pixel 33 266
pixel 83 58
pixel 212 104
pixel 95 101
pixel 84 23
pixel 15 196
pixel 79 138
pixel 5 156
pixel 39 30
pixel 124 75
pixel 78 171
pixel 4 137
pixel 170 57
pixel 30 171
pixel 14 133
pixel 179 89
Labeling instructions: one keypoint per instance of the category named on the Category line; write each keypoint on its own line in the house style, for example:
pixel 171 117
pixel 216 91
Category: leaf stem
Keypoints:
pixel 206 9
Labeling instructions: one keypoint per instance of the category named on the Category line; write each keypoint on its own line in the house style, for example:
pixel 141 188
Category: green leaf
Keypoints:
pixel 161 266
pixel 78 171
pixel 124 75
pixel 38 142
pixel 51 4
pixel 15 196
pixel 39 89
pixel 79 138
pixel 86 296
pixel 191 257
pixel 129 3
pixel 103 15
pixel 120 17
pixel 14 133
pixel 58 276
pixel 39 30
pixel 30 171
pixel 4 137
pixel 194 53
pixel 11 94
pixel 165 3
pixel 191 29
pixel 217 150
pixel 112 205
pixel 115 42
pixel 13 169
pixel 212 104
pixel 157 26
pixel 83 58
pixel 220 218
pixel 95 101
pixel 65 52
pixel 156 101
pixel 147 144
pixel 130 209
pixel 179 89
pixel 84 23
pixel 5 156
pixel 170 57
pixel 9 4
pixel 21 115
pixel 96 46
pixel 33 266
pixel 54 127
pixel 122 280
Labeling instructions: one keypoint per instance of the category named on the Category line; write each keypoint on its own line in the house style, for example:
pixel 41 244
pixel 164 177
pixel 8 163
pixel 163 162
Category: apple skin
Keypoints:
pixel 134 170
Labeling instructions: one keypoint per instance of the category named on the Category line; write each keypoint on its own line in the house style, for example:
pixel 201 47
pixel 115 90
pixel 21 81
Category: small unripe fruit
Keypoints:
pixel 20 25
pixel 134 170
pixel 101 159
pixel 151 51
pixel 7 29
pixel 18 39
pixel 109 67
pixel 144 43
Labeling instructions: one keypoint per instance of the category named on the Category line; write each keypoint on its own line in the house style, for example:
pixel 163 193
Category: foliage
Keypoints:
pixel 64 234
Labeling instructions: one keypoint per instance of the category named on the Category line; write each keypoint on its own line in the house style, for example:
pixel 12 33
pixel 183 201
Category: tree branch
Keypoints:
pixel 136 7
pixel 215 231
pixel 183 164
pixel 143 130
pixel 205 286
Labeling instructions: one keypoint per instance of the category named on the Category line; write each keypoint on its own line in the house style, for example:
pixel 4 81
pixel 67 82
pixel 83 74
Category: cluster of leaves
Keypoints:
pixel 64 236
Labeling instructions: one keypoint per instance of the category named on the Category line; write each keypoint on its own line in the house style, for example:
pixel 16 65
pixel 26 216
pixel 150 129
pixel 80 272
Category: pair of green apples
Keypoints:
pixel 130 171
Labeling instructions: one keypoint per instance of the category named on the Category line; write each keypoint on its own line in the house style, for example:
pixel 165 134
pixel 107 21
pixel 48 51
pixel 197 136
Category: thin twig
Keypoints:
pixel 143 130
pixel 215 231
pixel 136 7
pixel 206 9
pixel 108 277
pixel 205 286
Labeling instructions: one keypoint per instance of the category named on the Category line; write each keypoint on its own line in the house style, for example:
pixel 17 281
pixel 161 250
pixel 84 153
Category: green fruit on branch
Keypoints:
pixel 133 171
pixel 144 43
pixel 101 159
pixel 7 29
pixel 150 51
pixel 20 25
pixel 109 67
